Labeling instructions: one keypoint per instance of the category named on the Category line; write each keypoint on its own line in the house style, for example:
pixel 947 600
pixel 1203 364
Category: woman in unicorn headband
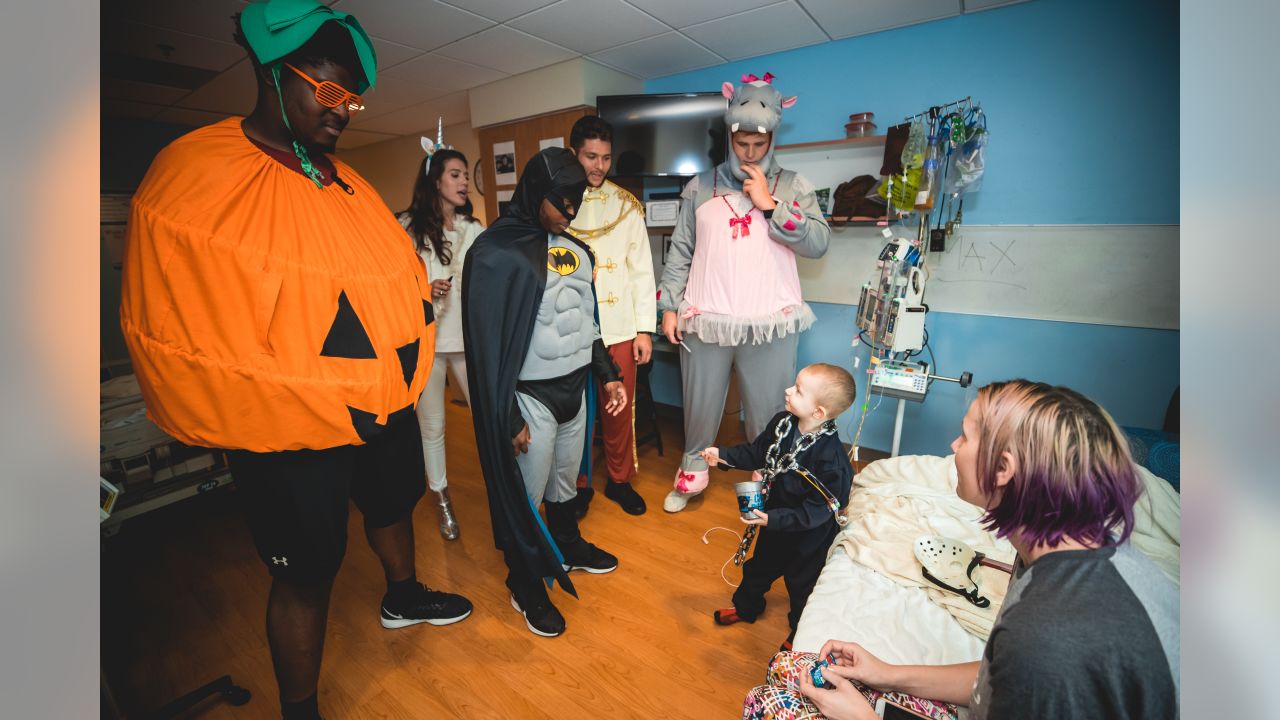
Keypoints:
pixel 440 222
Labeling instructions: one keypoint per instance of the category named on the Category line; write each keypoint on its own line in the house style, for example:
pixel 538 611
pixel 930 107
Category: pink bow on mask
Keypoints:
pixel 741 226
pixel 750 77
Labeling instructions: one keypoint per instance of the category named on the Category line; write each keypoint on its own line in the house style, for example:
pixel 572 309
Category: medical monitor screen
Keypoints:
pixel 667 134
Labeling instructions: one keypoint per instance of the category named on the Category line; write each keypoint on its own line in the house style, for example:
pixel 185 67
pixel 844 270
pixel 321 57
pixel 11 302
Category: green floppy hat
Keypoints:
pixel 276 28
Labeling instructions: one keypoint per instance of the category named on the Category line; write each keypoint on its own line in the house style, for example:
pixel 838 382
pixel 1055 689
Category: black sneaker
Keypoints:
pixel 626 496
pixel 542 617
pixel 582 502
pixel 430 606
pixel 582 555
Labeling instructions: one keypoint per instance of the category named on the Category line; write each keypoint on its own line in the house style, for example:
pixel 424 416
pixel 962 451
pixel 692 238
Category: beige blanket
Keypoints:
pixel 897 500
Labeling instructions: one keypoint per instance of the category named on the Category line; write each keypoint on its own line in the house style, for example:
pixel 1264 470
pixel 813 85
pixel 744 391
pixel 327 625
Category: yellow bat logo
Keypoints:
pixel 562 260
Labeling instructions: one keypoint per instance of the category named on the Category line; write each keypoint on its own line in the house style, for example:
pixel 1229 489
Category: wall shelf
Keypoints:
pixel 835 144
pixel 854 221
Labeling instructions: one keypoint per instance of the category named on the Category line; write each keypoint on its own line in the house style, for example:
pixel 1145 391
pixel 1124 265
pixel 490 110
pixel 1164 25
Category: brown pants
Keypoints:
pixel 619 430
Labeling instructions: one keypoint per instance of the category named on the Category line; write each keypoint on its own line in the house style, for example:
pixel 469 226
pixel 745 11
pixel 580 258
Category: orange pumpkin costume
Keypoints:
pixel 263 313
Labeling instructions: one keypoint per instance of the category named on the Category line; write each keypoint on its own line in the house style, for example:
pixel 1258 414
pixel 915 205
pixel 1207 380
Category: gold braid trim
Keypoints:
pixel 629 204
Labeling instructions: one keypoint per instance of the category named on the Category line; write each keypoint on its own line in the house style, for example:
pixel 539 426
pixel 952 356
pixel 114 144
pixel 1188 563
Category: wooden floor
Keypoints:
pixel 184 598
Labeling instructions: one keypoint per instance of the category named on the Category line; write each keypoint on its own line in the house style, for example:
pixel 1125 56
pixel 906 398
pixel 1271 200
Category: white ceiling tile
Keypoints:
pixel 144 41
pixel 683 13
pixel 660 55
pixel 758 32
pixel 500 10
pixel 355 138
pixel 233 92
pixel 140 92
pixel 447 73
pixel 841 18
pixel 206 18
pixel 505 49
pixel 393 93
pixel 586 26
pixel 977 5
pixel 425 24
pixel 422 117
pixel 186 116
pixel 391 54
pixel 129 109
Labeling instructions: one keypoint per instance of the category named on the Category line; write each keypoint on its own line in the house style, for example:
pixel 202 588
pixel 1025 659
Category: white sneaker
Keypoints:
pixel 676 501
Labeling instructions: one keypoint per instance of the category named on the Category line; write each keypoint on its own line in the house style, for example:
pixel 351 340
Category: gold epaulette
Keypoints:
pixel 629 204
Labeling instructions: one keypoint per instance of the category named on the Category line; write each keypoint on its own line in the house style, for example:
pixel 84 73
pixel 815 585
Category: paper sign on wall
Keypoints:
pixel 504 199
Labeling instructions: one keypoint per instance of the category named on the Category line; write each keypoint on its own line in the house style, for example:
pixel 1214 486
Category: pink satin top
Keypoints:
pixel 747 276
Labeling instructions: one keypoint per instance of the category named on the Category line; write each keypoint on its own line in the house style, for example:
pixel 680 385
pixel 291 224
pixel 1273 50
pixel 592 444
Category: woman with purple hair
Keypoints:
pixel 1089 626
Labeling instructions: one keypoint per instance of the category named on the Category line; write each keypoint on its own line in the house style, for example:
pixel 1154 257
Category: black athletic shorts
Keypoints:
pixel 296 500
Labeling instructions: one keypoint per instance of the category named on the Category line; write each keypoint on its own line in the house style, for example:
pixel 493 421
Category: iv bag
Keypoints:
pixel 968 158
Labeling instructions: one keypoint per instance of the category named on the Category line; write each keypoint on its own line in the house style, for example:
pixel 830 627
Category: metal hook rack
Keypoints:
pixel 937 110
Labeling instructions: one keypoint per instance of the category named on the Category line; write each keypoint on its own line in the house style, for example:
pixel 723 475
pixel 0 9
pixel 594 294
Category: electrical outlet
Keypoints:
pixel 937 240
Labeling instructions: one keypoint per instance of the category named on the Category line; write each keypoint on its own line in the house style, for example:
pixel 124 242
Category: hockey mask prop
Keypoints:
pixel 950 565
pixel 754 106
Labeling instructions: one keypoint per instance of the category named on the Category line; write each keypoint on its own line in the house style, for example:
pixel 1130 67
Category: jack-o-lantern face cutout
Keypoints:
pixel 348 338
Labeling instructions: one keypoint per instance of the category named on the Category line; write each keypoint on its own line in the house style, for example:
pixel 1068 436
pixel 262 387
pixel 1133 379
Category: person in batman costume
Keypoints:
pixel 531 338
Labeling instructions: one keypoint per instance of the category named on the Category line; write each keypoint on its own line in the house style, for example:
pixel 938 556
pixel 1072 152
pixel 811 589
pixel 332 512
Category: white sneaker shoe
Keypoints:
pixel 676 501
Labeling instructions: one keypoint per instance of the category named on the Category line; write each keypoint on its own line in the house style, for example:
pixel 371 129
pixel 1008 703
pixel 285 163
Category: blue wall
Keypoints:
pixel 1082 100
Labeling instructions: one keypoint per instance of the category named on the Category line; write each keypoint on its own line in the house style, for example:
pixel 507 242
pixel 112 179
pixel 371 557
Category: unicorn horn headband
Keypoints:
pixel 430 148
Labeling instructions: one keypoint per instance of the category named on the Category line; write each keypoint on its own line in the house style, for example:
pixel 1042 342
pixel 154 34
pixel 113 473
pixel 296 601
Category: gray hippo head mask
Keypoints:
pixel 754 106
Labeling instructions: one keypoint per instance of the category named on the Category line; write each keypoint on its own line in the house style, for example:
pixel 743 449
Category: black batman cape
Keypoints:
pixel 503 279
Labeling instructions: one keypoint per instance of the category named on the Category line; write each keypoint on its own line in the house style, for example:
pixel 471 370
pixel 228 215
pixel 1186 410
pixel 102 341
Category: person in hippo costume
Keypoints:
pixel 730 292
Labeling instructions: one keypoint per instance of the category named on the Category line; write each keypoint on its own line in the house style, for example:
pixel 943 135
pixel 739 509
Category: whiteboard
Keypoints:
pixel 1104 274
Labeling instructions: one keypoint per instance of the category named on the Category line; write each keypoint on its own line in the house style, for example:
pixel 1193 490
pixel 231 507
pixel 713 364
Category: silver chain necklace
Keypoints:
pixel 775 464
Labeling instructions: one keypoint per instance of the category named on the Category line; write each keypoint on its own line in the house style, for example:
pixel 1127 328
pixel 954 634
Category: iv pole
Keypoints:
pixel 965 379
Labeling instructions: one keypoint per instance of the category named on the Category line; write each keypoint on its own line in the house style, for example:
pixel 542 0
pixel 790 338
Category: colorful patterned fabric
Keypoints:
pixel 780 699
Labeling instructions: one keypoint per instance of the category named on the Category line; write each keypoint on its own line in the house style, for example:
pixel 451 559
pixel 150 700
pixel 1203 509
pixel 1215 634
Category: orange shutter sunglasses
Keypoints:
pixel 331 94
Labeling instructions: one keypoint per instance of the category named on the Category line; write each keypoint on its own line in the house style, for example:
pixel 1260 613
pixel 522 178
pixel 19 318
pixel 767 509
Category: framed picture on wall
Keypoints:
pixel 504 163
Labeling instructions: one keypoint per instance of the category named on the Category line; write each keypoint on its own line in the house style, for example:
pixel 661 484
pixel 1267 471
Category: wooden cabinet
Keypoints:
pixel 526 134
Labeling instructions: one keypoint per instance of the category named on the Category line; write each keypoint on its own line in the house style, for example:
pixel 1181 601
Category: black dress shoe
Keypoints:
pixel 626 496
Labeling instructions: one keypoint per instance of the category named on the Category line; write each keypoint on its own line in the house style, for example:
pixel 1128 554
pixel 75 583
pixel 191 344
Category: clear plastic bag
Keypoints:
pixel 917 144
pixel 968 159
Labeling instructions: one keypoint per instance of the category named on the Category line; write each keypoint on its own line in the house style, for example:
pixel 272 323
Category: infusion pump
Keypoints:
pixel 900 379
pixel 891 308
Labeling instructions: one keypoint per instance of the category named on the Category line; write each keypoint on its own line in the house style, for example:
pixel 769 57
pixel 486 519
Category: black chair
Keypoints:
pixel 646 410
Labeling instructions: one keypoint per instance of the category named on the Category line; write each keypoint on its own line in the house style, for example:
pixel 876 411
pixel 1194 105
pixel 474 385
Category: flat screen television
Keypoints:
pixel 665 134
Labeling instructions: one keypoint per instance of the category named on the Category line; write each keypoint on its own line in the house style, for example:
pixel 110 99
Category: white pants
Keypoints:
pixel 431 413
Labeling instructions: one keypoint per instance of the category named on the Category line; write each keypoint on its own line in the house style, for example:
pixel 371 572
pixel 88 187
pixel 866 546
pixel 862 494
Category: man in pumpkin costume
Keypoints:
pixel 528 323
pixel 611 222
pixel 730 291
pixel 273 307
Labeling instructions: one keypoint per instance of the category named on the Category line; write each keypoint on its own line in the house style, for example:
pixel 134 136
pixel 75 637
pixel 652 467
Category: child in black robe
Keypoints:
pixel 799 521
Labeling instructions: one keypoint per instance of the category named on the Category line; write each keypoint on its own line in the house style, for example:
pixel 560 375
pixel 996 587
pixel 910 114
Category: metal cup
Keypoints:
pixel 750 497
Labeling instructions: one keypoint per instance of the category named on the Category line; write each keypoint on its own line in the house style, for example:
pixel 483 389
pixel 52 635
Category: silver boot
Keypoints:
pixel 448 523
